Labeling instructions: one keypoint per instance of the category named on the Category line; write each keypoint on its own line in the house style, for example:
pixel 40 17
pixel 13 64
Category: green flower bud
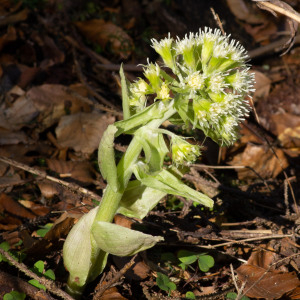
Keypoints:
pixel 164 92
pixel 152 73
pixel 185 48
pixel 183 152
pixel 138 91
pixel 164 49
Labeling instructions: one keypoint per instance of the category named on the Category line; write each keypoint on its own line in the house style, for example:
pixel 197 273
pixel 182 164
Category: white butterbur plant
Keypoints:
pixel 206 90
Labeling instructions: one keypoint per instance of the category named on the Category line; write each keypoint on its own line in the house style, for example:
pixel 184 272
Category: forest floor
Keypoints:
pixel 60 88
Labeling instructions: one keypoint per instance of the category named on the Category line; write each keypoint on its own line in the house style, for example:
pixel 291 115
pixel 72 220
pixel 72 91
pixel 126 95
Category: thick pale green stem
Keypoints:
pixel 110 200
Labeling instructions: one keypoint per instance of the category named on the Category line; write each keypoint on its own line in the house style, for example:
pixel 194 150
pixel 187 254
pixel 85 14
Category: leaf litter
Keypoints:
pixel 51 119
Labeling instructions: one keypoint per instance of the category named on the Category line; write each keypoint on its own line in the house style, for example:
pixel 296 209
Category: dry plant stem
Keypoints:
pixel 273 236
pixel 280 10
pixel 72 186
pixel 109 284
pixel 49 284
pixel 17 284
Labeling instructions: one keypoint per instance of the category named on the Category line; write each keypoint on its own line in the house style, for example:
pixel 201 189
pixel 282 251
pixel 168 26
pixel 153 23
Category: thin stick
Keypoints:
pixel 274 236
pixel 49 284
pixel 71 186
pixel 102 289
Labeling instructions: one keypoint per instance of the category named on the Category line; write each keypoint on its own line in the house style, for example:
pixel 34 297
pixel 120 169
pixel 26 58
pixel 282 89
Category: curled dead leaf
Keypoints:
pixel 107 34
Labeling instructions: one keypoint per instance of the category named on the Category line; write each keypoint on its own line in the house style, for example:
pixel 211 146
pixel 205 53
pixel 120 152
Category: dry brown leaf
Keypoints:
pixel 261 159
pixel 45 104
pixel 262 85
pixel 244 10
pixel 107 34
pixel 9 36
pixel 262 258
pixel 48 189
pixel 13 207
pixel 112 294
pixel 262 32
pixel 268 285
pixel 82 131
pixel 292 23
pixel 81 171
pixel 14 18
pixel 9 137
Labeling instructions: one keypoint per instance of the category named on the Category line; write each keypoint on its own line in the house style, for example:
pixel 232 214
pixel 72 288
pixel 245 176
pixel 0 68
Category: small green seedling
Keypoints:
pixel 164 283
pixel 44 229
pixel 232 296
pixel 205 262
pixel 39 269
pixel 14 295
pixel 190 295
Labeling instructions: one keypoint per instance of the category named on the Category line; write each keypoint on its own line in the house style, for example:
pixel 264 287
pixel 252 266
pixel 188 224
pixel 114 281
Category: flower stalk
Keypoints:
pixel 206 91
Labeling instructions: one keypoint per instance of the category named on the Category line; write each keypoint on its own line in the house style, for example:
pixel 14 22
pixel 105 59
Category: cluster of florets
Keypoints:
pixel 210 84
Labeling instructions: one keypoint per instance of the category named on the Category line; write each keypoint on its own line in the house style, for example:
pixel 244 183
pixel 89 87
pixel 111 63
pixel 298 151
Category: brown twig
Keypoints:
pixel 271 236
pixel 17 284
pixel 49 284
pixel 71 186
pixel 111 282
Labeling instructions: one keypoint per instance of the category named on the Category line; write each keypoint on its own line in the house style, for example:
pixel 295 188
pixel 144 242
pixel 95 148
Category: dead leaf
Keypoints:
pixel 261 159
pixel 14 18
pixel 107 34
pixel 11 138
pixel 262 85
pixel 267 284
pixel 9 36
pixel 261 33
pixel 81 171
pixel 244 10
pixel 112 294
pixel 275 6
pixel 48 189
pixel 82 131
pixel 45 104
pixel 13 207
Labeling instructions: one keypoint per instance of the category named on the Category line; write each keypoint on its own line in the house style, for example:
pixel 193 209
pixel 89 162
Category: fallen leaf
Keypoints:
pixel 262 85
pixel 9 36
pixel 81 171
pixel 261 159
pixel 271 6
pixel 8 137
pixel 266 284
pixel 13 207
pixel 45 104
pixel 82 131
pixel 246 11
pixel 48 189
pixel 107 34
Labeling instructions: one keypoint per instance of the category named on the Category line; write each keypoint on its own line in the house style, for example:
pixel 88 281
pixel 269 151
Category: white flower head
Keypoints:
pixel 164 92
pixel 195 80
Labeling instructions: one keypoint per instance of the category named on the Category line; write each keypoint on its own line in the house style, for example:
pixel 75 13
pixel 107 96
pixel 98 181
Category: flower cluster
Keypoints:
pixel 209 84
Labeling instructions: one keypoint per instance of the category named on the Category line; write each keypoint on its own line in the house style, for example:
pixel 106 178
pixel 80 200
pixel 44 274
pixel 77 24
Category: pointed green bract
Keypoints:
pixel 166 182
pixel 125 97
pixel 122 241
pixel 138 200
pixel 106 157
